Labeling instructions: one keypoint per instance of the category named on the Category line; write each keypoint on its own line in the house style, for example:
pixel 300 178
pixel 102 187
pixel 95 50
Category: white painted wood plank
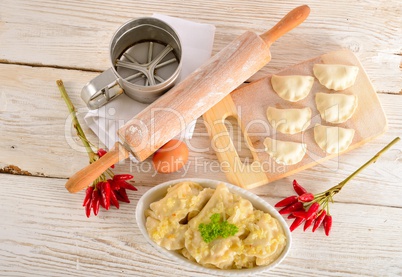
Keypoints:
pixel 34 117
pixel 33 137
pixel 76 34
pixel 44 232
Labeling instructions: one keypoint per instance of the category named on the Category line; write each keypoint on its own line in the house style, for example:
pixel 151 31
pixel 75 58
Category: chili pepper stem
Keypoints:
pixel 372 160
pixel 335 189
pixel 110 173
pixel 328 213
pixel 76 123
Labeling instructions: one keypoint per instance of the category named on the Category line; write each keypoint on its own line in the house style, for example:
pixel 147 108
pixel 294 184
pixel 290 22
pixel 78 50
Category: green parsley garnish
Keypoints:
pixel 216 228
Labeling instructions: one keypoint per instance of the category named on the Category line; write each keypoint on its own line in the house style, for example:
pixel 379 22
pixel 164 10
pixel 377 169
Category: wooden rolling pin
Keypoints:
pixel 200 91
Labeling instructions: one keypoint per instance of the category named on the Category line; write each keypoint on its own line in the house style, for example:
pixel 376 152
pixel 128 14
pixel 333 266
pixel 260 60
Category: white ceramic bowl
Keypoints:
pixel 159 191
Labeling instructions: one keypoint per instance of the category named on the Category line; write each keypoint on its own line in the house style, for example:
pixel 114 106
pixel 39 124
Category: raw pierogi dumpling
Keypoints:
pixel 285 152
pixel 336 107
pixel 289 121
pixel 292 88
pixel 336 76
pixel 333 140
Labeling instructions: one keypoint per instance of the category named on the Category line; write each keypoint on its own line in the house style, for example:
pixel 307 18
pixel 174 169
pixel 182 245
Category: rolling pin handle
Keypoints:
pixel 294 18
pixel 87 175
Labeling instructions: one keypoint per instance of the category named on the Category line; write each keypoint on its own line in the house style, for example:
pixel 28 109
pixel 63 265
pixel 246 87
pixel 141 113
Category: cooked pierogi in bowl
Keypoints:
pixel 213 227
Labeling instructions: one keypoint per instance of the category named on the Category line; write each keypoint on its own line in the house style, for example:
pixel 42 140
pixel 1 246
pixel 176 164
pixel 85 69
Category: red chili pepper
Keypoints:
pixel 291 216
pixel 327 224
pixel 308 223
pixel 88 207
pixel 292 208
pixel 101 203
pixel 88 195
pixel 124 184
pixel 298 188
pixel 113 199
pixel 306 197
pixel 123 195
pixel 122 177
pixel 114 185
pixel 296 223
pixel 301 214
pixel 100 188
pixel 105 193
pixel 118 196
pixel 101 152
pixel 95 201
pixel 287 201
pixel 311 212
pixel 319 220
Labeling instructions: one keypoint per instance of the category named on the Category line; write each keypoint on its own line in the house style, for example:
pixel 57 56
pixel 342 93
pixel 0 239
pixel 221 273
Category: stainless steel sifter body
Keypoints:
pixel 145 55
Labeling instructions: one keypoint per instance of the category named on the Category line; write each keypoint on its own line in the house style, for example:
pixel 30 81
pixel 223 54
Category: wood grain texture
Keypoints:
pixel 76 34
pixel 34 120
pixel 249 104
pixel 53 236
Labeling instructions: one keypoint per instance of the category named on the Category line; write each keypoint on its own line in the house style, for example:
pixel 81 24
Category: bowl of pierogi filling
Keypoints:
pixel 213 227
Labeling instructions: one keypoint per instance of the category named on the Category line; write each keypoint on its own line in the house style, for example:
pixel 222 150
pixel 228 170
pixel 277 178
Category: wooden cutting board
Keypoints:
pixel 248 104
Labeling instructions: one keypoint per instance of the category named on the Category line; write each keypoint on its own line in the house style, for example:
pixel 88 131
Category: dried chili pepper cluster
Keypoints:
pixel 106 193
pixel 305 207
pixel 314 209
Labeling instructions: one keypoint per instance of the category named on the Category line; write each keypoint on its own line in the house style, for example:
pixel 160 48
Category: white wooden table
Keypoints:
pixel 43 229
